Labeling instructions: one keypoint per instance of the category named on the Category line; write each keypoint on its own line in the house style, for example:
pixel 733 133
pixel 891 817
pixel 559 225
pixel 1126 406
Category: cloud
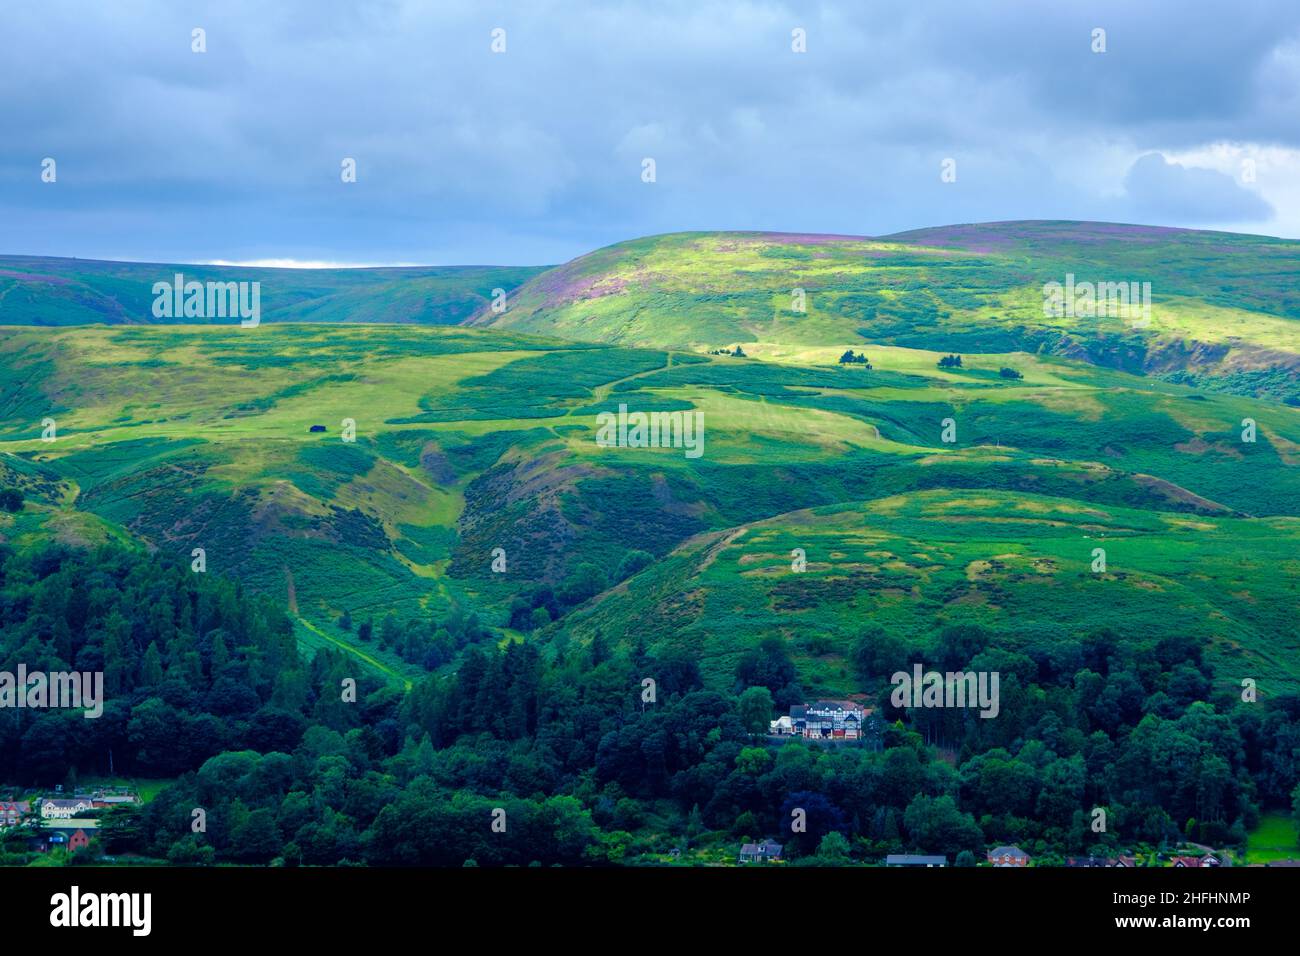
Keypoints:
pixel 535 155
pixel 1169 192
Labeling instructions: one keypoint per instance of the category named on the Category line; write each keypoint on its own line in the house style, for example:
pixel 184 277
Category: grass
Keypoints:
pixel 1275 838
pixel 468 439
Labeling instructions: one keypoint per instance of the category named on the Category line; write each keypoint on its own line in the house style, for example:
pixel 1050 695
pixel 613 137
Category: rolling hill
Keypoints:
pixel 54 291
pixel 472 439
pixel 1224 307
pixel 1103 514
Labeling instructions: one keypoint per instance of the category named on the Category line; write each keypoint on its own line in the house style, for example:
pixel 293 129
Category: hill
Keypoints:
pixel 55 291
pixel 469 440
pixel 1223 307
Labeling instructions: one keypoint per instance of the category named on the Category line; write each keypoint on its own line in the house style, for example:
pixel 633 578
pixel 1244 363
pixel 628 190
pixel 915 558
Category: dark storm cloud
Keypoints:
pixel 535 155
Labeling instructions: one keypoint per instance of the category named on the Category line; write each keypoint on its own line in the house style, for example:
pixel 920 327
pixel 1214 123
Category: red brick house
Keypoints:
pixel 13 811
pixel 1008 856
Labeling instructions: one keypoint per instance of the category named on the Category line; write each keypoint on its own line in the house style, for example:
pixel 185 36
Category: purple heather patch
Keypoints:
pixel 34 277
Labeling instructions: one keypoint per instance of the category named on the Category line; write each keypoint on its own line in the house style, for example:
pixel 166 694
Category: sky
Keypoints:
pixel 536 154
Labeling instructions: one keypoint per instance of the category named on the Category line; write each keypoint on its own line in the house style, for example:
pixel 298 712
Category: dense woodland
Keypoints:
pixel 206 684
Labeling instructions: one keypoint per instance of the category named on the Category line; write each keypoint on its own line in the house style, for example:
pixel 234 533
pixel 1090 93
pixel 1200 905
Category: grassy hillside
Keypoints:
pixel 1224 307
pixel 469 440
pixel 1019 566
pixel 52 291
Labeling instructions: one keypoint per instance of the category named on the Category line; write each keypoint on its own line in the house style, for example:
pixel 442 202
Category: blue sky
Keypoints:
pixel 1191 118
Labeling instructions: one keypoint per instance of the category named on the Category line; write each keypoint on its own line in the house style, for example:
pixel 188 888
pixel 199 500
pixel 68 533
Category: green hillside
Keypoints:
pixel 1017 566
pixel 53 291
pixel 469 440
pixel 1224 307
pixel 1104 517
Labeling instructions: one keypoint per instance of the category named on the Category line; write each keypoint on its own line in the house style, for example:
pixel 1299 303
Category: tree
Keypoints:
pixel 1010 373
pixel 935 824
pixel 11 500
pixel 345 620
pixel 1295 805
pixel 833 850
pixel 877 654
pixel 755 707
pixel 633 562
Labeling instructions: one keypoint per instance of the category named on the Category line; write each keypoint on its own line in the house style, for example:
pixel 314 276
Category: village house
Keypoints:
pixel 13 811
pixel 765 852
pixel 1008 856
pixel 71 834
pixel 1183 862
pixel 59 809
pixel 823 720
pixel 1094 861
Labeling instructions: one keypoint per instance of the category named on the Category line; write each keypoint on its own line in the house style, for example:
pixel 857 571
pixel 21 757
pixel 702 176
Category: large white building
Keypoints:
pixel 824 720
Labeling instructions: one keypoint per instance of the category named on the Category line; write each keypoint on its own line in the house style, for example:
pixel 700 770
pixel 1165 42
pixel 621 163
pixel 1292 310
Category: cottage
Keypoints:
pixel 13 811
pixel 1197 862
pixel 906 859
pixel 782 726
pixel 1008 856
pixel 765 852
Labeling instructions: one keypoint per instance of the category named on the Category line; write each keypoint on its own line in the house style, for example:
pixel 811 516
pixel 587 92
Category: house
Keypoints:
pixel 1184 862
pixel 1008 856
pixel 71 833
pixel 71 839
pixel 1121 861
pixel 823 720
pixel 907 859
pixel 109 798
pixel 765 852
pixel 782 726
pixel 55 809
pixel 13 811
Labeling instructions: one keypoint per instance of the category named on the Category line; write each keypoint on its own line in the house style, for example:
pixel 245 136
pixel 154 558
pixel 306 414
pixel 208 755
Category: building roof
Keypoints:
pixel 1014 851
pixel 73 823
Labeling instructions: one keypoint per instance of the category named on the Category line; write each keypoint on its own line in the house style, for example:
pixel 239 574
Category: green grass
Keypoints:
pixel 1275 838
pixel 1223 308
pixel 469 439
